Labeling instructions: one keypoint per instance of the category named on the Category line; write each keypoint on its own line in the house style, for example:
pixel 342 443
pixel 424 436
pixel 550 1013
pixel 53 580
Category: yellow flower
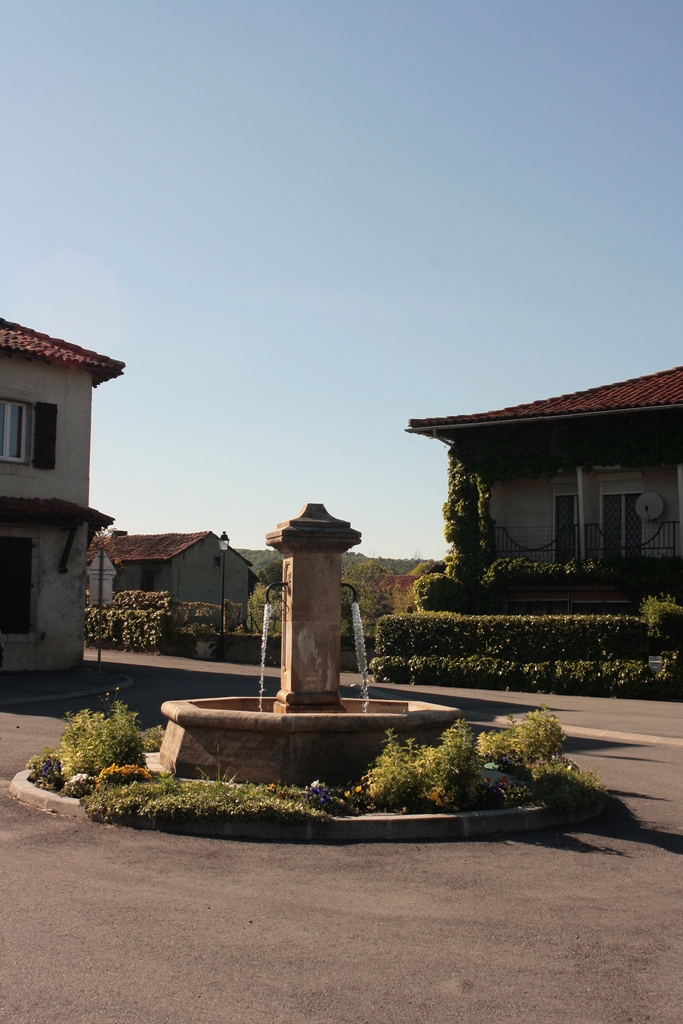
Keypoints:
pixel 347 792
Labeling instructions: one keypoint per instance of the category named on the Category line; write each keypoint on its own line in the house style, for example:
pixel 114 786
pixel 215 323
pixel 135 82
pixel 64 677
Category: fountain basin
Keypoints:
pixel 229 735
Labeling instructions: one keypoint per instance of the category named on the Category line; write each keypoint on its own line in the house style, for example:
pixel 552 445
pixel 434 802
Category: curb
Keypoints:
pixel 367 828
pixel 127 682
pixel 21 789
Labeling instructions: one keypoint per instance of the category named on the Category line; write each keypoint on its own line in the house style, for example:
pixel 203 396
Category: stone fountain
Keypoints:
pixel 308 731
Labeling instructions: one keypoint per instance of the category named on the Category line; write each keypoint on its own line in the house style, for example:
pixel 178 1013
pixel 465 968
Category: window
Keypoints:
pixel 565 527
pixel 147 579
pixel 12 431
pixel 15 584
pixel 622 526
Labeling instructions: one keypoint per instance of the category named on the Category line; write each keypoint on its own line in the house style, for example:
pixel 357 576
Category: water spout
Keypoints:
pixel 361 655
pixel 267 612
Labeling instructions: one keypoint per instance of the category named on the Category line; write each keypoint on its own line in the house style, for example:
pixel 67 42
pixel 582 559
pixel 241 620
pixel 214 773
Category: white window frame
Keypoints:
pixel 8 403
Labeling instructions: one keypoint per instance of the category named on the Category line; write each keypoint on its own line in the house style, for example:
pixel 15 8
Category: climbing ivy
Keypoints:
pixel 532 450
pixel 469 528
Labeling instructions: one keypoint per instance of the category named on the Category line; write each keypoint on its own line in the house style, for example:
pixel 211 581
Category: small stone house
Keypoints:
pixel 594 474
pixel 45 522
pixel 187 565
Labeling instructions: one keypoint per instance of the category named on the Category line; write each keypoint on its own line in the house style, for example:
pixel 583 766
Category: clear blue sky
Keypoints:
pixel 302 223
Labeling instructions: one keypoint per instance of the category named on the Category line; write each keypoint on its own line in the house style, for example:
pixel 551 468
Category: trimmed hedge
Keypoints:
pixel 519 638
pixel 612 678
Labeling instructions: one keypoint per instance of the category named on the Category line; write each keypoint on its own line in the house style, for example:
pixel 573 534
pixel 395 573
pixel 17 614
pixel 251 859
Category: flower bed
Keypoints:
pixel 520 766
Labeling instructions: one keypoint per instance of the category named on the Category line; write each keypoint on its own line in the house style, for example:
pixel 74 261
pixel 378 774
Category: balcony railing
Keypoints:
pixel 559 544
pixel 538 543
pixel 656 540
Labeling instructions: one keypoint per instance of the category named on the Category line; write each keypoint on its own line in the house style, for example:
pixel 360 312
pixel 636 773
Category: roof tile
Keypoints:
pixel 149 547
pixel 50 510
pixel 15 338
pixel 656 390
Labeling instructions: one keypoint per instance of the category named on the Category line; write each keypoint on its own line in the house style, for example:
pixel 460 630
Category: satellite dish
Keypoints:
pixel 649 506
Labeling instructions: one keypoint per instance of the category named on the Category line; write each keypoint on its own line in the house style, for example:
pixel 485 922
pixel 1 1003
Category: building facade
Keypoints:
pixel 187 565
pixel 45 522
pixel 591 475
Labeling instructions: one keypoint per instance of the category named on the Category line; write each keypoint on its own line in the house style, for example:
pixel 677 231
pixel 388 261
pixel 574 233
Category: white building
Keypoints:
pixel 45 411
pixel 586 476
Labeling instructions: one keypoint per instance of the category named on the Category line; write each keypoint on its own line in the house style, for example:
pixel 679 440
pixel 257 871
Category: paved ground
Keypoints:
pixel 101 925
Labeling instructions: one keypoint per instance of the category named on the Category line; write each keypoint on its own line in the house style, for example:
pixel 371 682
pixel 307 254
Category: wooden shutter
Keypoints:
pixel 44 435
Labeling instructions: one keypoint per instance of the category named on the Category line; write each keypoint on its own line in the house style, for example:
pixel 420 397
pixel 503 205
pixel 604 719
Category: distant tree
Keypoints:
pixel 272 572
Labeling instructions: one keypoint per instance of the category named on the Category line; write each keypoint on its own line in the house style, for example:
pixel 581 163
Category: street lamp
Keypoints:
pixel 223 543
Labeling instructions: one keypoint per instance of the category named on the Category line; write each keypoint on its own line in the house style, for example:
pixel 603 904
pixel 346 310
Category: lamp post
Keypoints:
pixel 223 543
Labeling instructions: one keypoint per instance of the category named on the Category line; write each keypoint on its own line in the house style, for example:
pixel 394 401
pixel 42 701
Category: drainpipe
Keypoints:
pixel 582 514
pixel 679 474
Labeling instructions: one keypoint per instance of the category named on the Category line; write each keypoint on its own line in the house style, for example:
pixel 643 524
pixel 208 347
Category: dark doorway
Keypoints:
pixel 15 584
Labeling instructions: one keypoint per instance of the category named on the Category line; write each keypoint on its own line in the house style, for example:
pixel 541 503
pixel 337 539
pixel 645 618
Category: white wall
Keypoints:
pixel 32 381
pixel 56 637
pixel 523 502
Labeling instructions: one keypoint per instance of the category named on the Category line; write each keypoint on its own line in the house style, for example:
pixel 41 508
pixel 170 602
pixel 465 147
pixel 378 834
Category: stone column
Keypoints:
pixel 312 545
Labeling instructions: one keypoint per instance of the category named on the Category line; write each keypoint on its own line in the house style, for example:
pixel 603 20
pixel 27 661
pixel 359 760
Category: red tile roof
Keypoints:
pixel 654 391
pixel 50 510
pixel 15 338
pixel 149 547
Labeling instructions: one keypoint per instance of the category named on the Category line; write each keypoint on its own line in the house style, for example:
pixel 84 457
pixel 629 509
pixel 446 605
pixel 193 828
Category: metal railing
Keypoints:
pixel 657 540
pixel 560 544
pixel 537 543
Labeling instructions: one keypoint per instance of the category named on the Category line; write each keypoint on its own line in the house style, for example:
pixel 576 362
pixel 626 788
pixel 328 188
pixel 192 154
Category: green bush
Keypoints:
pixel 563 785
pixel 153 738
pixel 436 592
pixel 408 778
pixel 664 618
pixel 135 629
pixel 614 678
pixel 527 638
pixel 92 740
pixel 538 737
pixel 401 777
pixel 636 576
pixel 173 800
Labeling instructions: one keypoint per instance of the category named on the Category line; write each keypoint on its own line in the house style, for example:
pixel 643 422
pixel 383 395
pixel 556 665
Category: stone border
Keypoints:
pixel 13 701
pixel 367 828
pixel 44 799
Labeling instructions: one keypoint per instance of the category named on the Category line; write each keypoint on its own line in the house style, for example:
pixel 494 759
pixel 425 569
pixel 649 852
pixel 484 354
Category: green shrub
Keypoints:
pixel 153 738
pixel 664 618
pixel 615 678
pixel 636 576
pixel 538 737
pixel 408 778
pixel 401 777
pixel 524 638
pixel 136 629
pixel 173 800
pixel 457 765
pixel 92 740
pixel 563 785
pixel 436 592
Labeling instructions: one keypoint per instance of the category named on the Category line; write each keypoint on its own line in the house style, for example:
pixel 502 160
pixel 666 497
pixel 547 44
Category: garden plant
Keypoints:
pixel 100 760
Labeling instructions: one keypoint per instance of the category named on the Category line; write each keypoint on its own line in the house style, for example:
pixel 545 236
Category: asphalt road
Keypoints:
pixel 104 925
